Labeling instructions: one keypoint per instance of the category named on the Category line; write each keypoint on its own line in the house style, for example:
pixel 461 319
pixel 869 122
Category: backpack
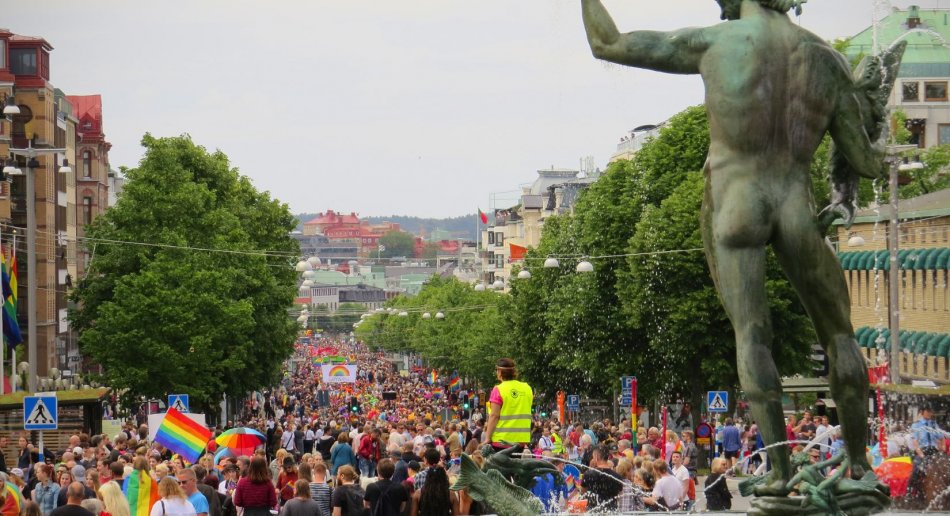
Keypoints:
pixel 354 500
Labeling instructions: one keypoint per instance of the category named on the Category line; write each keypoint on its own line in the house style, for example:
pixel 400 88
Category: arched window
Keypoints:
pixel 87 210
pixel 86 164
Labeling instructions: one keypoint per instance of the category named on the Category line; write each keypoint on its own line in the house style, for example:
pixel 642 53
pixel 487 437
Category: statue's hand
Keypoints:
pixel 833 211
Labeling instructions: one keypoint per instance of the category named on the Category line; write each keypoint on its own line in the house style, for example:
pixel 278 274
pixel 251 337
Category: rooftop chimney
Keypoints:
pixel 913 17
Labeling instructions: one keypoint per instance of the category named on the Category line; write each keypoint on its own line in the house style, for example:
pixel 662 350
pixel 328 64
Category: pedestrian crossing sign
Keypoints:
pixel 178 402
pixel 40 413
pixel 717 401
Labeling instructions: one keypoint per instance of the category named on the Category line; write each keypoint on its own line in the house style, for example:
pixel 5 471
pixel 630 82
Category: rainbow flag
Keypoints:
pixel 13 497
pixel 433 377
pixel 437 394
pixel 182 435
pixel 141 491
pixel 455 383
pixel 11 328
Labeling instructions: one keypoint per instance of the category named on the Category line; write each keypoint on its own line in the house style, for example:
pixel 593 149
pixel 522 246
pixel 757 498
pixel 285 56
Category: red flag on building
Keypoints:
pixel 482 216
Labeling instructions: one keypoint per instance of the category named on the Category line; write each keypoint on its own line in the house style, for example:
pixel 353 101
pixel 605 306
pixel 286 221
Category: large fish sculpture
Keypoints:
pixel 491 489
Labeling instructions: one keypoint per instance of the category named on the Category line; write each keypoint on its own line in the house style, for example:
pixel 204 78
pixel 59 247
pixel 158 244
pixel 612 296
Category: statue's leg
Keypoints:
pixel 815 273
pixel 735 248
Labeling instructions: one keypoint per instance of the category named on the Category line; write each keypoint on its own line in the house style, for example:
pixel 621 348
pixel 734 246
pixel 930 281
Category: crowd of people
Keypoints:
pixel 390 443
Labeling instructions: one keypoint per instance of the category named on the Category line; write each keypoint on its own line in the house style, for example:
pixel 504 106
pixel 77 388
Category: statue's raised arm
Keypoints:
pixel 678 51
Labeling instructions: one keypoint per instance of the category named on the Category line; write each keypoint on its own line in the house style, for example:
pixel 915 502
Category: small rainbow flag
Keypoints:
pixel 455 383
pixel 433 376
pixel 12 491
pixel 141 491
pixel 182 435
pixel 437 394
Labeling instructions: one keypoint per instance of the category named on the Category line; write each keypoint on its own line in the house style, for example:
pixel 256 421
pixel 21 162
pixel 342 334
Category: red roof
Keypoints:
pixel 19 38
pixel 87 106
pixel 331 217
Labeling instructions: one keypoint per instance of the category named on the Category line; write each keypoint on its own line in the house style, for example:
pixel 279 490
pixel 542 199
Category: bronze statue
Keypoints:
pixel 513 466
pixel 773 90
pixel 494 490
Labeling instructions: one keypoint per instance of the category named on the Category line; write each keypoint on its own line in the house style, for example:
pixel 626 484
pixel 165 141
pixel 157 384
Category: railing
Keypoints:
pixel 917 366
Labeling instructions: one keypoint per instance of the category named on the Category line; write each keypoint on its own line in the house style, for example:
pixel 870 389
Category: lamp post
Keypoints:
pixel 896 165
pixel 30 153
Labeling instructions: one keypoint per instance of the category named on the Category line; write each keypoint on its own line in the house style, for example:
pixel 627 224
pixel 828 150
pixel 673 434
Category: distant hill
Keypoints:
pixel 457 227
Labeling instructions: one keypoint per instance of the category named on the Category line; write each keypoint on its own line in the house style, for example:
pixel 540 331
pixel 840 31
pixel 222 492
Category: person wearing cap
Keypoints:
pixel 928 438
pixel 510 403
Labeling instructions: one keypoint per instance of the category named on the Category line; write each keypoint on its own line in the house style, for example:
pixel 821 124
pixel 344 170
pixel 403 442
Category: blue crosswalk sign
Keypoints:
pixel 40 413
pixel 717 401
pixel 178 401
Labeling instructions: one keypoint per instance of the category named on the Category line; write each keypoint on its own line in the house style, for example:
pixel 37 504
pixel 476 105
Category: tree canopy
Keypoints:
pixel 397 243
pixel 180 291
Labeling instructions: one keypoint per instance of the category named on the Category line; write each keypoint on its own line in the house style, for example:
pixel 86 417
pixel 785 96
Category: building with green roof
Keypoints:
pixel 922 89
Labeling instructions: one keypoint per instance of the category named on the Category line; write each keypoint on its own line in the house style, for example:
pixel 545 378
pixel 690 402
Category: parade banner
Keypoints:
pixel 339 373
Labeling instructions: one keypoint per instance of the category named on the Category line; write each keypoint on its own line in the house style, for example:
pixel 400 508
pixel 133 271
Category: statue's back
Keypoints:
pixel 771 86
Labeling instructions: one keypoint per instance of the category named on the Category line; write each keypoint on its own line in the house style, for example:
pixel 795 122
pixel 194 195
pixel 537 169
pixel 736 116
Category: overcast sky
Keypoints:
pixel 414 107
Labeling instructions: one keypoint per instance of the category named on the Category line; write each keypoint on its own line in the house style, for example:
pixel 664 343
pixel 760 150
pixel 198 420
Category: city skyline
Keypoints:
pixel 420 108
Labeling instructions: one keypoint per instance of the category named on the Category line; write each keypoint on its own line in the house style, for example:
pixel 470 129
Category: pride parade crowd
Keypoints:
pixel 353 448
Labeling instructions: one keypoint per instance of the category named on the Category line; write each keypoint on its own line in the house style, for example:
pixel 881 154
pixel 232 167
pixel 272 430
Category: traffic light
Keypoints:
pixel 465 405
pixel 354 404
pixel 544 414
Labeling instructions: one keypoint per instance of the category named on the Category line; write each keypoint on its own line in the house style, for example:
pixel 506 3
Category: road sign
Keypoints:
pixel 704 434
pixel 717 401
pixel 40 413
pixel 179 402
pixel 626 400
pixel 573 402
pixel 626 384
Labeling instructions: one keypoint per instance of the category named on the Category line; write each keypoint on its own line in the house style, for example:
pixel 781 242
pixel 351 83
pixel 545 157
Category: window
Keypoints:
pixel 23 61
pixel 86 164
pixel 943 133
pixel 499 261
pixel 491 237
pixel 911 91
pixel 499 238
pixel 935 91
pixel 87 210
pixel 3 54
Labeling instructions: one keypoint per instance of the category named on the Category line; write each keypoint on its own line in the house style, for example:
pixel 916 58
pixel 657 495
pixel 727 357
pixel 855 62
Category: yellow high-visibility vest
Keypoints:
pixel 558 447
pixel 514 423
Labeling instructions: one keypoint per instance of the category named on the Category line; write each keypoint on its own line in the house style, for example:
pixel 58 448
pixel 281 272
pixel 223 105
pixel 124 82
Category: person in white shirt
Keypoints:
pixel 545 443
pixel 680 472
pixel 667 491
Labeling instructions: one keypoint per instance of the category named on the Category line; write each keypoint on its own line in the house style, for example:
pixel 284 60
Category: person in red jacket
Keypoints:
pixel 255 493
pixel 369 453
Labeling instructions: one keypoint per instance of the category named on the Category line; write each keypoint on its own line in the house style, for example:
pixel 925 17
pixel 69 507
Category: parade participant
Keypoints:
pixel 255 493
pixel 301 504
pixel 928 442
pixel 347 499
pixel 287 479
pixel 320 491
pixel 189 486
pixel 173 500
pixel 510 402
pixel 45 491
pixel 718 497
pixel 75 493
pixel 342 453
pixel 386 497
pixel 113 501
pixel 369 452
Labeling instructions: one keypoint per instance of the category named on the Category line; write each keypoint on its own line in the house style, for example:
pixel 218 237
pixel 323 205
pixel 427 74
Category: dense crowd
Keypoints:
pixel 389 443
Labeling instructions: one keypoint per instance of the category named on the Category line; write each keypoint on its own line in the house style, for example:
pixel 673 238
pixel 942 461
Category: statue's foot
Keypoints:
pixel 859 469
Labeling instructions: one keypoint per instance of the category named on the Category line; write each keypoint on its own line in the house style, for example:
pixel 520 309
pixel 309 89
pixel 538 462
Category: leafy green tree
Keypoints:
pixel 339 321
pixel 178 295
pixel 935 175
pixel 397 243
pixel 671 297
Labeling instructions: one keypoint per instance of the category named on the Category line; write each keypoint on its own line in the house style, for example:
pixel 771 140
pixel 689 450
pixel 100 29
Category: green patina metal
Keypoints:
pixel 773 90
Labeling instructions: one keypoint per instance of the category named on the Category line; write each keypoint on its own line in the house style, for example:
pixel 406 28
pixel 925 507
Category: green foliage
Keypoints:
pixel 935 175
pixel 397 243
pixel 168 313
pixel 339 321
pixel 468 340
pixel 901 134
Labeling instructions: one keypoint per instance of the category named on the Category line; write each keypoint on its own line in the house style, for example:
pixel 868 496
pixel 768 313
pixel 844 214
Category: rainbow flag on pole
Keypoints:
pixel 433 377
pixel 11 328
pixel 455 383
pixel 141 491
pixel 183 436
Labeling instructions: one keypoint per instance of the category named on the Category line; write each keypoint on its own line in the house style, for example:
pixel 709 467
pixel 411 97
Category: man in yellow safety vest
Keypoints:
pixel 510 404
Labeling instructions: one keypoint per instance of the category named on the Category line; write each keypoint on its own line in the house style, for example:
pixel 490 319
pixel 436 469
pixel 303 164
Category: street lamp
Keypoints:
pixel 897 165
pixel 30 154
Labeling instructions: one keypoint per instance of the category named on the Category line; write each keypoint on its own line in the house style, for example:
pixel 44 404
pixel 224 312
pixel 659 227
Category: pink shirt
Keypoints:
pixel 495 397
